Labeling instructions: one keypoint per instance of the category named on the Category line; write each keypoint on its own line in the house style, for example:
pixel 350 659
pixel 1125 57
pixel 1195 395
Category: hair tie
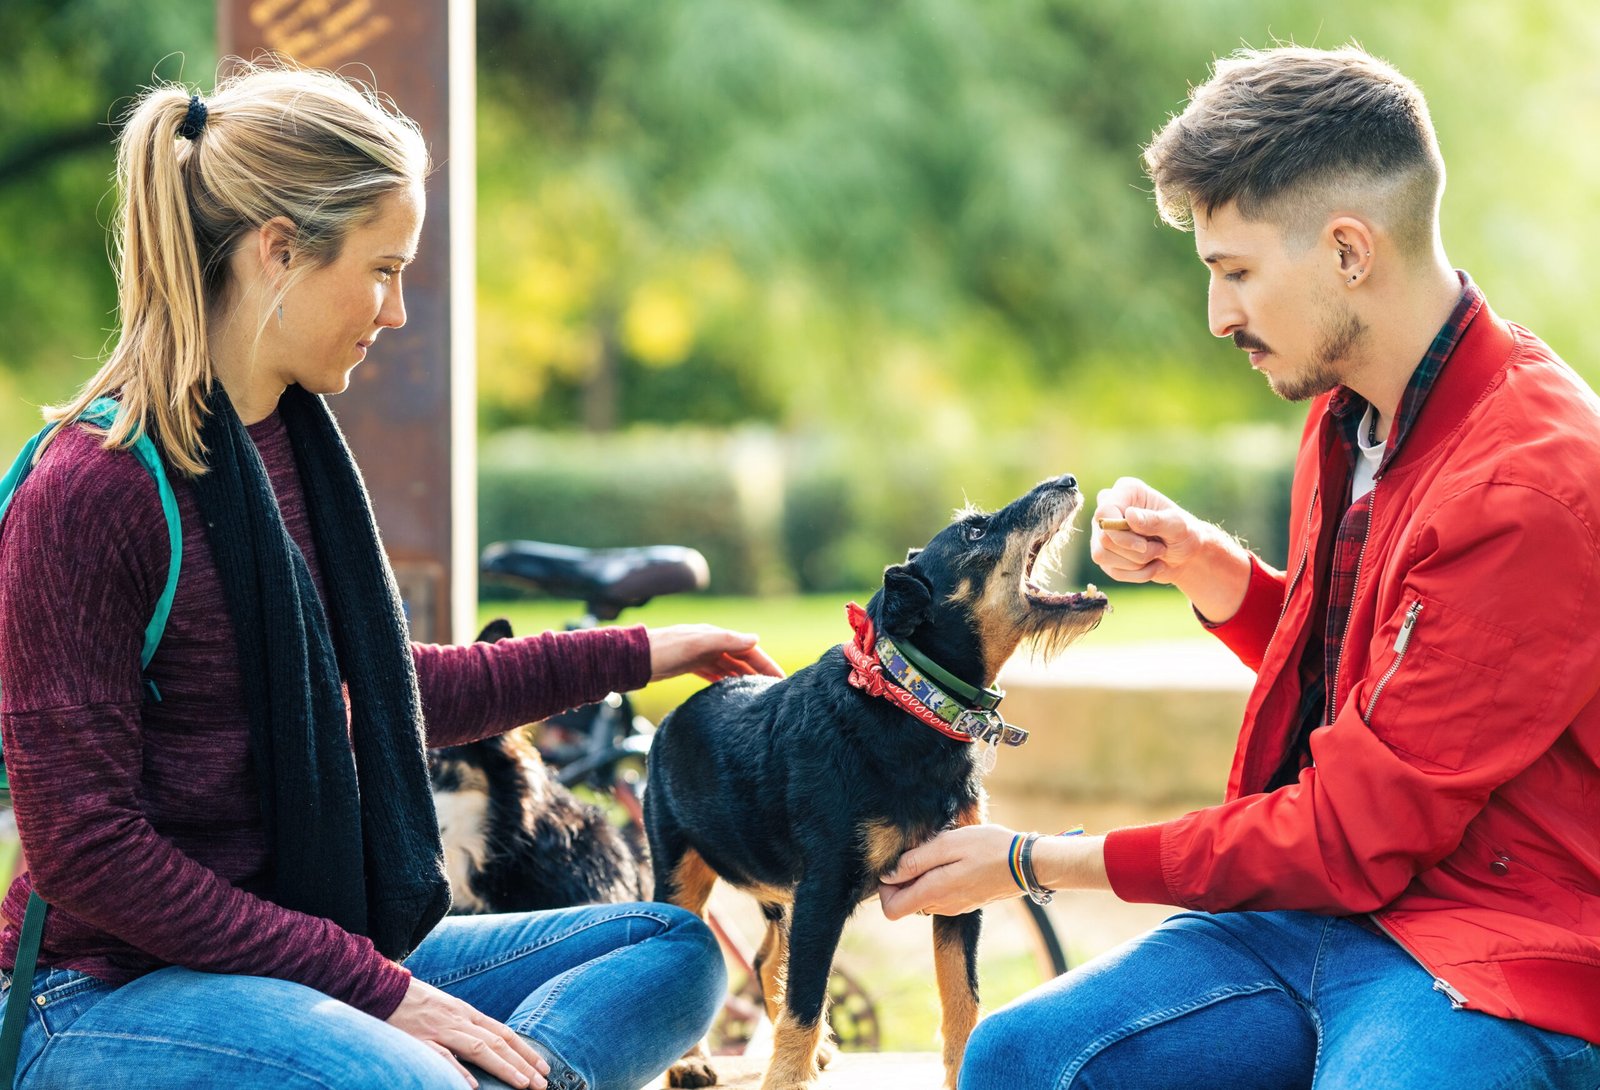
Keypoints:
pixel 194 122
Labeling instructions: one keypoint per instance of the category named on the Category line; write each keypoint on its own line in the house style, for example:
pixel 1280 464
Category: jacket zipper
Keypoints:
pixel 1401 642
pixel 1457 1000
pixel 1355 585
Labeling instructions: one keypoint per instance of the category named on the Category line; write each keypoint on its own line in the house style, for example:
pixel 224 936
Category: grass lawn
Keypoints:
pixel 795 630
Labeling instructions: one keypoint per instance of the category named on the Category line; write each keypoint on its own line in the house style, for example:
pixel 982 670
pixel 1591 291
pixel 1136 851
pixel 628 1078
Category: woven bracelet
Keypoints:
pixel 1014 859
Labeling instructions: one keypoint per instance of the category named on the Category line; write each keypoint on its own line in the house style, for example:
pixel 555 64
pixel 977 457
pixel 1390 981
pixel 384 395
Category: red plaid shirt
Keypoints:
pixel 1341 557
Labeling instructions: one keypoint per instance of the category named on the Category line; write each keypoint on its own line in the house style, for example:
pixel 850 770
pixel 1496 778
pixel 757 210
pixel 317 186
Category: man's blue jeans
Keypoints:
pixel 617 992
pixel 1262 1001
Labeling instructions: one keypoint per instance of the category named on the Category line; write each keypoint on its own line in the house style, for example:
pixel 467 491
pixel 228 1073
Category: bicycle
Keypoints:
pixel 600 749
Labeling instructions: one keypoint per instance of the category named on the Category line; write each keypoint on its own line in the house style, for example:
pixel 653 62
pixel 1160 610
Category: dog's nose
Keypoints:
pixel 1069 481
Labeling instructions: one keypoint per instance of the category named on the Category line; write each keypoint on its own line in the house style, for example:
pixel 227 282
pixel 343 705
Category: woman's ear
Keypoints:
pixel 907 599
pixel 275 245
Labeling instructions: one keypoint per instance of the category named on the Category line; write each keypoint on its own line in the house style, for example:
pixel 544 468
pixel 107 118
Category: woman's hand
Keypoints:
pixel 455 1029
pixel 706 651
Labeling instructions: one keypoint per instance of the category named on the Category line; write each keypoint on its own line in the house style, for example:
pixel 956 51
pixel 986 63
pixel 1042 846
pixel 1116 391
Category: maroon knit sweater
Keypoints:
pixel 140 818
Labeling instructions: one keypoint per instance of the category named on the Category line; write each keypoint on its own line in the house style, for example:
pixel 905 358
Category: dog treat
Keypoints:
pixel 1112 524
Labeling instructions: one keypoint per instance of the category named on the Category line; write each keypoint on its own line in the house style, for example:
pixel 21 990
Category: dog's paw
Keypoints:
pixel 692 1071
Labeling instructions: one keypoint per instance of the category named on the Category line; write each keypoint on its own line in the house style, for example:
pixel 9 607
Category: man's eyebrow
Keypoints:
pixel 404 259
pixel 1216 256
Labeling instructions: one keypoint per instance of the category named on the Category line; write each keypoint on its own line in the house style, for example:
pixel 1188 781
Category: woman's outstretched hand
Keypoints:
pixel 706 651
pixel 456 1029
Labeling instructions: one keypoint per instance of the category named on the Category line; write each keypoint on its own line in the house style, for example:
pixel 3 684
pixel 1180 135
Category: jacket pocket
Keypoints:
pixel 1437 694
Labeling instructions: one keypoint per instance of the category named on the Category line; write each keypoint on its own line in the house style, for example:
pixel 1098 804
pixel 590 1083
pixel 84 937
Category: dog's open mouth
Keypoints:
pixel 1089 600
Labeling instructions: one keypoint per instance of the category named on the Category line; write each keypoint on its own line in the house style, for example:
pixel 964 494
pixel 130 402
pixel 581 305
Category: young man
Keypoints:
pixel 1402 888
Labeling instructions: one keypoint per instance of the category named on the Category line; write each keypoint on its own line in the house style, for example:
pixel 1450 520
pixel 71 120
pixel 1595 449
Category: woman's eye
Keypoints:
pixel 388 274
pixel 1235 276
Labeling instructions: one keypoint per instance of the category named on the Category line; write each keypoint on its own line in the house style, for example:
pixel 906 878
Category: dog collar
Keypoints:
pixel 881 667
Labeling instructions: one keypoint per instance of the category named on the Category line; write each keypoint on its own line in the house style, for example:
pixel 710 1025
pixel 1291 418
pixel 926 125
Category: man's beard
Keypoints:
pixel 1339 337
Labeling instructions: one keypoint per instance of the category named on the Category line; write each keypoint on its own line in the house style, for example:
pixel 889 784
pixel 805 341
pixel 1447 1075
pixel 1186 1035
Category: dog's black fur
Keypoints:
pixel 515 839
pixel 805 791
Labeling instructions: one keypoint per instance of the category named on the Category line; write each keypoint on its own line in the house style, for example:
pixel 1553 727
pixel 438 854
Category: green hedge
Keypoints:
pixel 818 514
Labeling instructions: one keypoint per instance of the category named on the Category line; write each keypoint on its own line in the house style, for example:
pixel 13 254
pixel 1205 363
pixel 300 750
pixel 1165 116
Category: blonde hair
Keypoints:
pixel 277 140
pixel 1287 132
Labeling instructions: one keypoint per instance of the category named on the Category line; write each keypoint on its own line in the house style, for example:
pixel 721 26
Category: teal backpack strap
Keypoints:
pixel 102 413
pixel 21 993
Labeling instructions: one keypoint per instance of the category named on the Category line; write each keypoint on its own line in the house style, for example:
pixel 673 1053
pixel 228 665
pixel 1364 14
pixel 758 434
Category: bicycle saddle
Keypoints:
pixel 606 580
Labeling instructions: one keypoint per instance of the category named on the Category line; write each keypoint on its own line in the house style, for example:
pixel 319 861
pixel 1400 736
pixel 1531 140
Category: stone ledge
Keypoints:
pixel 848 1071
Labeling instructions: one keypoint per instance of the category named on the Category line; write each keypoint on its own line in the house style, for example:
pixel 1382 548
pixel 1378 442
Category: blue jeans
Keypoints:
pixel 1268 1000
pixel 617 992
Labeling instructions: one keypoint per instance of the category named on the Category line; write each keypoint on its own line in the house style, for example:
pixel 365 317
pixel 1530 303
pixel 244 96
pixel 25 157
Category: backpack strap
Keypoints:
pixel 102 412
pixel 21 994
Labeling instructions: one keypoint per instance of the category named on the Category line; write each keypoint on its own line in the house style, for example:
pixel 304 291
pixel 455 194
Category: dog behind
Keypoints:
pixel 516 840
pixel 804 791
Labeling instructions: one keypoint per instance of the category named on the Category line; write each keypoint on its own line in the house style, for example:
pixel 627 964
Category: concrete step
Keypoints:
pixel 848 1071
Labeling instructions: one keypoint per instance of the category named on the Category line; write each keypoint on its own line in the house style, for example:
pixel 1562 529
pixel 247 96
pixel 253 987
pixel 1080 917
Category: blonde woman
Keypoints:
pixel 238 844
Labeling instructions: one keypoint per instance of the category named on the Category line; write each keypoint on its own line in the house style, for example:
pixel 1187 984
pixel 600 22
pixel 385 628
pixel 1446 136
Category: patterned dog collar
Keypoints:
pixel 980 724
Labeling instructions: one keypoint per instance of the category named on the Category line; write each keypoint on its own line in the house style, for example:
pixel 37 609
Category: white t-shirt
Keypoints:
pixel 1367 458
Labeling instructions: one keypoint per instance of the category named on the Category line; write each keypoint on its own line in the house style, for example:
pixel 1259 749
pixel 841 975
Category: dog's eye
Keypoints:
pixel 974 531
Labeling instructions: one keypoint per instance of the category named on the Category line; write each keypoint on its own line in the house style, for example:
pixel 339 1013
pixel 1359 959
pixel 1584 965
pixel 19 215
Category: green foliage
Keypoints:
pixel 827 514
pixel 66 71
pixel 647 489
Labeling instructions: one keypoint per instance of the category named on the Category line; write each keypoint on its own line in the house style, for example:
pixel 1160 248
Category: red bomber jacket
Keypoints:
pixel 1456 794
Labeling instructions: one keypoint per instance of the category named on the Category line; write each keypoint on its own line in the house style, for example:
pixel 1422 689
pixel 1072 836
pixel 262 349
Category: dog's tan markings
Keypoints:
pixel 962 593
pixel 692 880
pixel 767 895
pixel 693 1068
pixel 958 1004
pixel 999 619
pixel 772 963
pixel 884 845
pixel 794 1054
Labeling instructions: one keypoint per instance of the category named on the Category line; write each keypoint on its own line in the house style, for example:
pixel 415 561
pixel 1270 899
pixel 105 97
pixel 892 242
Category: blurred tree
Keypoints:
pixel 66 71
pixel 912 219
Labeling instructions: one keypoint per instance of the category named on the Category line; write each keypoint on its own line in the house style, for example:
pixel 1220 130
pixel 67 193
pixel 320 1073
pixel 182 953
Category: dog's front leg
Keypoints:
pixel 955 967
pixel 821 906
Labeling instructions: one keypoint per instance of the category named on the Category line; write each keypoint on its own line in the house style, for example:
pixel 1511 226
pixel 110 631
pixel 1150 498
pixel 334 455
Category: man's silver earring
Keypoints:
pixel 280 315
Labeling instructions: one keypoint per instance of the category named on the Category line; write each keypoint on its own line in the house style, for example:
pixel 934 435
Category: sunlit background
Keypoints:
pixel 789 281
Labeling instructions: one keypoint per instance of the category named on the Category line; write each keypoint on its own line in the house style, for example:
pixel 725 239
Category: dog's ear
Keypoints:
pixel 495 630
pixel 907 599
pixel 911 554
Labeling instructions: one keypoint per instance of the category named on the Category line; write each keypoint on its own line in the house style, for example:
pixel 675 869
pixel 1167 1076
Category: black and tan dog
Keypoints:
pixel 805 791
pixel 515 839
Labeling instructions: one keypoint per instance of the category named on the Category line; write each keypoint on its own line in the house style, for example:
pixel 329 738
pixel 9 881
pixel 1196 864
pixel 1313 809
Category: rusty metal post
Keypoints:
pixel 410 410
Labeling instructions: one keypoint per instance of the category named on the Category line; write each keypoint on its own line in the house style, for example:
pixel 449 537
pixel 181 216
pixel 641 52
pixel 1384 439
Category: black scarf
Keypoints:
pixel 352 840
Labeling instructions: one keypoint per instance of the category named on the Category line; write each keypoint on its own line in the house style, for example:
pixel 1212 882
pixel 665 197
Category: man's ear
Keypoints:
pixel 907 599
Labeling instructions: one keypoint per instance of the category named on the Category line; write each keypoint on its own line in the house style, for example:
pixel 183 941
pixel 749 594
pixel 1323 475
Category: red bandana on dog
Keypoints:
pixel 929 703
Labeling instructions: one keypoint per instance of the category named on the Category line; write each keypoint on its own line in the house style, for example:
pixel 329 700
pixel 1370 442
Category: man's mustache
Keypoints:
pixel 1248 343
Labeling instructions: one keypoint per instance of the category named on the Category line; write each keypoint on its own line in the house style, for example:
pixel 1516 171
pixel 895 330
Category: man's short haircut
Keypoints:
pixel 1290 134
